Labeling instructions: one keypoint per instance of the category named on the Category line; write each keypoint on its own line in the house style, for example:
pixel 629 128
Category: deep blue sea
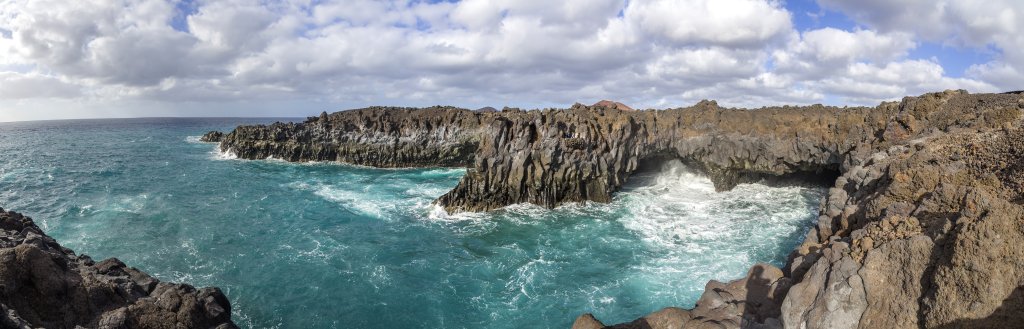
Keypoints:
pixel 336 246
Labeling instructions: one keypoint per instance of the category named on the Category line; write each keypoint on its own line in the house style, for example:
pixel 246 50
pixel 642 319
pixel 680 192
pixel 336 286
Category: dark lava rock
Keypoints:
pixel 922 227
pixel 212 137
pixel 44 285
pixel 376 136
pixel 550 157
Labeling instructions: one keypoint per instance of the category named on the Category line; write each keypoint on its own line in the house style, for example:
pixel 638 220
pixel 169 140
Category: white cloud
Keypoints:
pixel 737 23
pixel 486 52
pixel 966 23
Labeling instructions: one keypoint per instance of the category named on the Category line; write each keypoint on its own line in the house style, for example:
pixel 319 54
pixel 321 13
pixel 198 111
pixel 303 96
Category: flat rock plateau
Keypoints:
pixel 923 226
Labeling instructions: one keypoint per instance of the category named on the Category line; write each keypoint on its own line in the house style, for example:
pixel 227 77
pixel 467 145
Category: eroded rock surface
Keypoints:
pixel 44 285
pixel 923 227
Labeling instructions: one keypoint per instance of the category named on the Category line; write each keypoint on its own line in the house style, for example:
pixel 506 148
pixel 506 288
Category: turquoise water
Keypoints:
pixel 336 246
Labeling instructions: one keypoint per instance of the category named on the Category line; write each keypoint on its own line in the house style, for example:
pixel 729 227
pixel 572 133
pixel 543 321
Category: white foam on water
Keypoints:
pixel 217 154
pixel 437 213
pixel 700 234
pixel 127 204
pixel 352 199
pixel 194 139
pixel 443 171
pixel 681 208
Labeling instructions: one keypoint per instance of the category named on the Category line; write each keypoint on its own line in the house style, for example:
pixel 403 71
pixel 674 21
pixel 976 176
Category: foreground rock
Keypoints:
pixel 44 285
pixel 922 227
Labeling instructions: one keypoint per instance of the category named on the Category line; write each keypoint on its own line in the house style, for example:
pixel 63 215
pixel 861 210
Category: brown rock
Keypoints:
pixel 613 105
pixel 587 321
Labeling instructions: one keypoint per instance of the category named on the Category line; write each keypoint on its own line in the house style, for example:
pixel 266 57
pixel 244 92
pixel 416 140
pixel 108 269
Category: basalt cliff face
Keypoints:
pixel 923 226
pixel 44 285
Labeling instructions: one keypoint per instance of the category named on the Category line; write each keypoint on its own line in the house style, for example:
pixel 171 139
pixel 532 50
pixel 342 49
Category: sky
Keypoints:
pixel 147 58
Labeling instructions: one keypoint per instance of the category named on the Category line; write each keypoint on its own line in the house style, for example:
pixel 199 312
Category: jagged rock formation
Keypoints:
pixel 44 285
pixel 921 229
pixel 583 153
pixel 212 137
pixel 924 234
pixel 376 136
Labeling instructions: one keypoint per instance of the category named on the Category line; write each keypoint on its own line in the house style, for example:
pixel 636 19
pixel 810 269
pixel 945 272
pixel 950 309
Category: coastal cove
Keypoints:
pixel 324 245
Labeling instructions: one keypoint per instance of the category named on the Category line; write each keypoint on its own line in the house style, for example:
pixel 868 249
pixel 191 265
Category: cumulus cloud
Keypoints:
pixel 738 23
pixel 822 52
pixel 966 23
pixel 649 53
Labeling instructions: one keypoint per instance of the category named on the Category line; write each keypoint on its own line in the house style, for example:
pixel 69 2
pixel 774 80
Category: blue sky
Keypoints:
pixel 133 58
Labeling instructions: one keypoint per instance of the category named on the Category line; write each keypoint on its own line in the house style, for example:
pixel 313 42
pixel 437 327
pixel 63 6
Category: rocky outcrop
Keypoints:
pixel 923 234
pixel 44 285
pixel 376 136
pixel 751 302
pixel 922 227
pixel 551 157
pixel 212 137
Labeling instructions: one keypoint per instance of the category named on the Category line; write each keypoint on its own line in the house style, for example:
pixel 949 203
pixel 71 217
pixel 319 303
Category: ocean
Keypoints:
pixel 325 245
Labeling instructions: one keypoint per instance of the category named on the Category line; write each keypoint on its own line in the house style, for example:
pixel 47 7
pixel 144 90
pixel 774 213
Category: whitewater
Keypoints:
pixel 326 245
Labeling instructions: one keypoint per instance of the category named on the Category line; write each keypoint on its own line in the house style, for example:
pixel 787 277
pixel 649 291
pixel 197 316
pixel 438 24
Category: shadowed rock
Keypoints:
pixel 45 285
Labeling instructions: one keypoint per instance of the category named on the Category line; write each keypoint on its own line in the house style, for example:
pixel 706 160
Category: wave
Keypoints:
pixel 217 154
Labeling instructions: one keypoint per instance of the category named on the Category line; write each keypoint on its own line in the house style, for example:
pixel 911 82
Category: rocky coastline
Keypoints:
pixel 44 285
pixel 922 226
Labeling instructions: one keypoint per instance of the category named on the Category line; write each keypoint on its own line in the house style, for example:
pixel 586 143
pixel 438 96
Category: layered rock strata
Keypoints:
pixel 922 227
pixel 44 285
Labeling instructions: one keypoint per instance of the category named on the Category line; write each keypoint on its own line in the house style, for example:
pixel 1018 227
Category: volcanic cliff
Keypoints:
pixel 923 225
pixel 44 285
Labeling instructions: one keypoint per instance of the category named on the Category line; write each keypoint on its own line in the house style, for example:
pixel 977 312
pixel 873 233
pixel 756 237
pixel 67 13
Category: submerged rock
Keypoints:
pixel 44 285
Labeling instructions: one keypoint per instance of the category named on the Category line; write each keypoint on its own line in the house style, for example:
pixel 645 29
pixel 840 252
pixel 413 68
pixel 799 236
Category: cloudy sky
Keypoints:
pixel 134 58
